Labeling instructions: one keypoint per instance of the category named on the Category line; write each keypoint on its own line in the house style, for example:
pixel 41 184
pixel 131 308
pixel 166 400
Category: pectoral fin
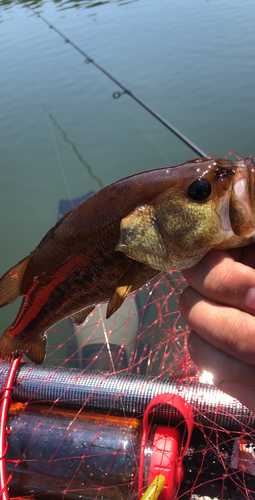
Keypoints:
pixel 10 282
pixel 140 238
pixel 80 316
pixel 123 288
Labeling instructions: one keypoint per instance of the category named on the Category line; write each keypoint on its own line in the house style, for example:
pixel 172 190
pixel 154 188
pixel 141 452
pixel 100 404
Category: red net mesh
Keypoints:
pixel 89 448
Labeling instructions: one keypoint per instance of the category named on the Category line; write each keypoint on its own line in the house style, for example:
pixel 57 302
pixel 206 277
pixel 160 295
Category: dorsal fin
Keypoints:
pixel 10 282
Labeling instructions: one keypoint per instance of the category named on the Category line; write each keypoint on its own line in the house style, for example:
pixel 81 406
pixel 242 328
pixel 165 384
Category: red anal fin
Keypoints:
pixel 80 316
pixel 11 347
pixel 11 281
pixel 122 289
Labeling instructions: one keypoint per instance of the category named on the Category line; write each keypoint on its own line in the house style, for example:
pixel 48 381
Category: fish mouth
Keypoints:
pixel 224 216
pixel 241 192
pixel 236 212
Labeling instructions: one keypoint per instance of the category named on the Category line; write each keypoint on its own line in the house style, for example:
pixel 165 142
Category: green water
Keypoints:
pixel 61 132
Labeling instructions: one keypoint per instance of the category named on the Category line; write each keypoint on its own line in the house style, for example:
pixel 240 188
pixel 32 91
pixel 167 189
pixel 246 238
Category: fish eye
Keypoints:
pixel 200 190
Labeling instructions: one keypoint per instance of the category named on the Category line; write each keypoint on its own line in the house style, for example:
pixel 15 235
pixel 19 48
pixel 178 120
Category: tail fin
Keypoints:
pixel 10 282
pixel 11 347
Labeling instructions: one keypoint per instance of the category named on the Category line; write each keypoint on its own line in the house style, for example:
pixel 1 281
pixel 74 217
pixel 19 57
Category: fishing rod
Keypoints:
pixel 116 95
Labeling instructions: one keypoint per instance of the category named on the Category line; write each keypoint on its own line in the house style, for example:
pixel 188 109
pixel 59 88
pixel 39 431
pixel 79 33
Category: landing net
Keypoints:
pixel 74 426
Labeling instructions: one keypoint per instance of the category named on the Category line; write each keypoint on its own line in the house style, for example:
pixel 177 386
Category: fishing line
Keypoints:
pixel 115 374
pixel 107 340
pixel 146 134
pixel 116 95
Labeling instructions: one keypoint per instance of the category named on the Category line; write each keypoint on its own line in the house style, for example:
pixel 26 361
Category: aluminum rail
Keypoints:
pixel 128 394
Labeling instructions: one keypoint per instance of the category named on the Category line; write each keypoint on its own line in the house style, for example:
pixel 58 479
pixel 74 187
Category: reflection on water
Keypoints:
pixel 75 150
pixel 65 4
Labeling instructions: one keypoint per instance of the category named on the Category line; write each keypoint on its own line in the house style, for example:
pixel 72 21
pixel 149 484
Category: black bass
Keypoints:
pixel 122 237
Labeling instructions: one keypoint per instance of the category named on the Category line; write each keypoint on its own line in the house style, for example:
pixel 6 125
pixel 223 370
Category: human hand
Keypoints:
pixel 219 306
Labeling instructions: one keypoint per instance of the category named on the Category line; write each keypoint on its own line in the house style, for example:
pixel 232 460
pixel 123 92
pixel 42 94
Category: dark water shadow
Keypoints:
pixel 74 147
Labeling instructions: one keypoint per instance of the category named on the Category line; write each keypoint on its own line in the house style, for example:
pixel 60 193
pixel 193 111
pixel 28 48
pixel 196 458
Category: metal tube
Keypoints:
pixel 127 394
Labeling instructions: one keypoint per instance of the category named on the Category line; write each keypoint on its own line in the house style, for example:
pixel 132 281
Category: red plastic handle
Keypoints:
pixel 184 408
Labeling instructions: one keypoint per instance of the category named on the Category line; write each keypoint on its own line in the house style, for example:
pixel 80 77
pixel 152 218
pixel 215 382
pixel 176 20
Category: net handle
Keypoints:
pixel 179 404
pixel 4 408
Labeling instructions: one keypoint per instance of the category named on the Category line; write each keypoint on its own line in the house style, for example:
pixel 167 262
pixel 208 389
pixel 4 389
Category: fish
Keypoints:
pixel 121 238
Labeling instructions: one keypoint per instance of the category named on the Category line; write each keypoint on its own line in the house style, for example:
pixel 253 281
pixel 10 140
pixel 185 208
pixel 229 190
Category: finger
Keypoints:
pixel 246 396
pixel 224 367
pixel 220 278
pixel 226 328
pixel 246 255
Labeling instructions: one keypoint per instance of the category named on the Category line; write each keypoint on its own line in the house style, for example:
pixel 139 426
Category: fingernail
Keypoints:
pixel 250 299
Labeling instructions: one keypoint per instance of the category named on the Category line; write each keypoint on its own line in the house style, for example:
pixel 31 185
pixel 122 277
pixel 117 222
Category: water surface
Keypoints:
pixel 62 133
